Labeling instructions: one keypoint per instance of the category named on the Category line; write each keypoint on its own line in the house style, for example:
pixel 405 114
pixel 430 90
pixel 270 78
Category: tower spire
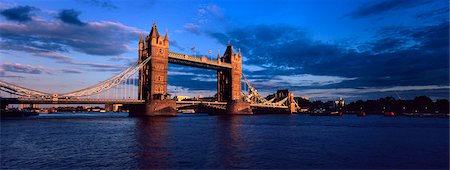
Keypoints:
pixel 166 37
pixel 218 55
pixel 154 31
pixel 140 38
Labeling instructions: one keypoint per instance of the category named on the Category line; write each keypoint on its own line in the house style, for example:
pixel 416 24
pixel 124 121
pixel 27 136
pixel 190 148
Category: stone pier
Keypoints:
pixel 237 107
pixel 154 108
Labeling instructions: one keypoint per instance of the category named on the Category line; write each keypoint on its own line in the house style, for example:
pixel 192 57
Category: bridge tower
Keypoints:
pixel 153 76
pixel 229 83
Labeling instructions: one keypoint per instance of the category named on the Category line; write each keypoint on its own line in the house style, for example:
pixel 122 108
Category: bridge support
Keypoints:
pixel 3 106
pixel 154 108
pixel 109 107
pixel 238 107
pixel 292 108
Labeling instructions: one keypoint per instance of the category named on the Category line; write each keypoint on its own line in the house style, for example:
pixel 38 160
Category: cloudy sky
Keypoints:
pixel 359 49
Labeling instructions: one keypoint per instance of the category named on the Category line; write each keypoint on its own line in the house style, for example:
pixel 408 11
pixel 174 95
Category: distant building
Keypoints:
pixel 282 93
pixel 304 109
pixel 305 97
pixel 207 99
pixel 180 98
pixel 339 104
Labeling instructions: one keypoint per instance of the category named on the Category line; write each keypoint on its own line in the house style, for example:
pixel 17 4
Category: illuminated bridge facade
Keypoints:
pixel 152 98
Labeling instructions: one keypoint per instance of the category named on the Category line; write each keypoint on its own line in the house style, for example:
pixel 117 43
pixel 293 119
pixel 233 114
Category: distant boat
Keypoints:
pixel 361 113
pixel 326 113
pixel 389 114
pixel 187 111
pixel 427 114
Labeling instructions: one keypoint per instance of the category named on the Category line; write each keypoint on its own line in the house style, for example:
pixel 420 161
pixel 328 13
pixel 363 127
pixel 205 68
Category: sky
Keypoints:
pixel 323 49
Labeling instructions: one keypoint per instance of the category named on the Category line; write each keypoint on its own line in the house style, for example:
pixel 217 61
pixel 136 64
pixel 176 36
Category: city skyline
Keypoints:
pixel 355 49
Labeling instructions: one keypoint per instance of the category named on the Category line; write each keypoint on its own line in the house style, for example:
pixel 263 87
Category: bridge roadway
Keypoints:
pixel 113 101
pixel 201 62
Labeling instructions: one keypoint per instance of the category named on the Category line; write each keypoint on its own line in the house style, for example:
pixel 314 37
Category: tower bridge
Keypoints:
pixel 152 97
pixel 203 62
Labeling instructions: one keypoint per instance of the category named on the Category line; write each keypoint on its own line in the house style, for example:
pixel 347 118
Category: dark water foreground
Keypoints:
pixel 115 141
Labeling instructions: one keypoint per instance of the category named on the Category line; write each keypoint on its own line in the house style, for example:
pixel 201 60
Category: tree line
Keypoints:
pixel 420 104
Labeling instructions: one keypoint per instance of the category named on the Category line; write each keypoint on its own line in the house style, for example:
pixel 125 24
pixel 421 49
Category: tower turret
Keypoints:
pixel 229 54
pixel 154 31
pixel 218 56
pixel 166 37
pixel 141 48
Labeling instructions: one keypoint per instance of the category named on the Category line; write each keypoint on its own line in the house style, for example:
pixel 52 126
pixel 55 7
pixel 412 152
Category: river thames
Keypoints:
pixel 115 141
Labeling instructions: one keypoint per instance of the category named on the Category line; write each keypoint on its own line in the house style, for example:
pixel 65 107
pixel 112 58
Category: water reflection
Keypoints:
pixel 217 142
pixel 231 144
pixel 152 140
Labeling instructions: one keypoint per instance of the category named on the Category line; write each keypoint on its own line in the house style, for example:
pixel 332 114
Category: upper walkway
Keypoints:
pixel 200 62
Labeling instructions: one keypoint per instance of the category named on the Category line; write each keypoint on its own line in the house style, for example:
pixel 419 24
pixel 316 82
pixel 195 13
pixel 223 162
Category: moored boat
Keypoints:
pixel 389 114
pixel 326 113
pixel 361 113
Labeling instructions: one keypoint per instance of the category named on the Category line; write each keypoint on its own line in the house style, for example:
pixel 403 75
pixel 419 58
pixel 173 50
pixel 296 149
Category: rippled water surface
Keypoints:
pixel 113 140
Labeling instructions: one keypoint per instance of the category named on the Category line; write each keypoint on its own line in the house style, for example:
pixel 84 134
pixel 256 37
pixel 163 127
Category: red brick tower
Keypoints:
pixel 229 83
pixel 153 76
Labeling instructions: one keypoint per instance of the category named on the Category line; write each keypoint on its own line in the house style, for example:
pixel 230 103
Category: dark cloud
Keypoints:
pixel 128 61
pixel 384 6
pixel 34 48
pixel 387 44
pixel 5 75
pixel 9 67
pixel 93 65
pixel 100 3
pixel 397 56
pixel 70 71
pixel 438 14
pixel 105 69
pixel 22 68
pixel 70 16
pixel 175 44
pixel 42 36
pixel 18 13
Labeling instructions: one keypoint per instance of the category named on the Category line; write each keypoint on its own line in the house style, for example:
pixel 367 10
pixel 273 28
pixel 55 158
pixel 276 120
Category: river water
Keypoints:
pixel 115 141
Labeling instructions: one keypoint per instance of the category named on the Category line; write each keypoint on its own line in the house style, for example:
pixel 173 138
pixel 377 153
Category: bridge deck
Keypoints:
pixel 92 101
pixel 68 101
pixel 112 101
pixel 202 62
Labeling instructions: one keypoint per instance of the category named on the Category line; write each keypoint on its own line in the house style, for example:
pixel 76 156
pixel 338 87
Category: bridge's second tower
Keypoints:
pixel 229 83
